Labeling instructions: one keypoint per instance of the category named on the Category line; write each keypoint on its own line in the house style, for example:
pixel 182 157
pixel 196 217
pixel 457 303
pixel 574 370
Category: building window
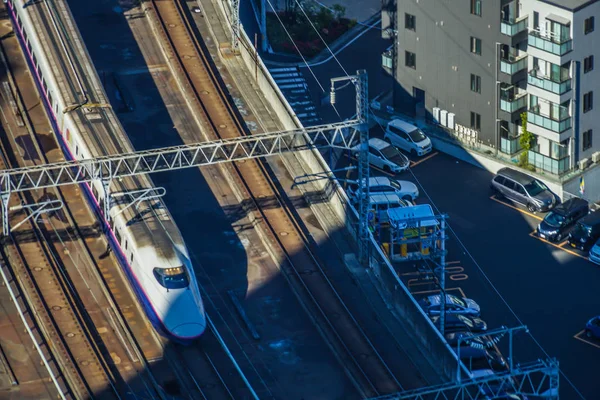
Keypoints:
pixel 475 83
pixel 587 139
pixel 476 7
pixel 475 121
pixel 588 25
pixel 588 101
pixel 475 45
pixel 410 59
pixel 410 22
pixel 588 64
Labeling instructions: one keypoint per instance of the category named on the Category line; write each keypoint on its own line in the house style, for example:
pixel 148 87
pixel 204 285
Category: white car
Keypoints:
pixel 454 305
pixel 380 184
pixel 407 137
pixel 380 203
pixel 384 156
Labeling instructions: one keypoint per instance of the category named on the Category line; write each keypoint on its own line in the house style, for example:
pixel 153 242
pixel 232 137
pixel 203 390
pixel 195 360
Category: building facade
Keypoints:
pixel 478 65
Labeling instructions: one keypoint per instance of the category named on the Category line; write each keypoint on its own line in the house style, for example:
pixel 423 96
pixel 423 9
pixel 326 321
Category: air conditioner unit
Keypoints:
pixel 583 163
pixel 436 114
pixel 444 117
pixel 451 120
pixel 596 157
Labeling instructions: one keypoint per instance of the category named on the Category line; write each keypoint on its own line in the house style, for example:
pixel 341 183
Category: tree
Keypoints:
pixel 526 141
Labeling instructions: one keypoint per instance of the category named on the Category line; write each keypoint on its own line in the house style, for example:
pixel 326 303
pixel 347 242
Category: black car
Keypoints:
pixel 586 232
pixel 558 222
pixel 467 339
pixel 460 323
pixel 476 358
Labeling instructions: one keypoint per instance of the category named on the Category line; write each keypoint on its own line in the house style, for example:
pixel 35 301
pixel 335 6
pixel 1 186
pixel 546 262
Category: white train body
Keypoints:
pixel 145 238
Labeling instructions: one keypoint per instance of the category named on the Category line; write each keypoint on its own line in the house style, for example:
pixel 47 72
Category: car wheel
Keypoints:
pixel 588 334
pixel 531 208
pixel 387 169
pixel 413 152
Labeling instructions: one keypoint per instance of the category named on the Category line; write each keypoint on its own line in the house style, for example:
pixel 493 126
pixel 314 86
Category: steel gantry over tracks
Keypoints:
pixel 339 135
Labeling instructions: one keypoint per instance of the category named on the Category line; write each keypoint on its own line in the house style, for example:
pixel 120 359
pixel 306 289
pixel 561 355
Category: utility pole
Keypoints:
pixel 235 25
pixel 263 26
pixel 360 81
pixel 443 273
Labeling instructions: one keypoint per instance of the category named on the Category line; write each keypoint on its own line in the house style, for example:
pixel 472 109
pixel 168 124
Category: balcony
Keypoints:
pixel 512 27
pixel 511 64
pixel 554 45
pixel 510 144
pixel 512 102
pixel 558 85
pixel 556 123
pixel 387 59
pixel 556 166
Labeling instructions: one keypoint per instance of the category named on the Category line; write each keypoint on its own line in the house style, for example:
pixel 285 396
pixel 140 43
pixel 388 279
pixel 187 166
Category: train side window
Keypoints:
pixel 76 150
pixel 34 58
pixel 126 245
pixel 25 36
pixel 131 257
pixel 29 46
pixel 44 85
pixel 50 99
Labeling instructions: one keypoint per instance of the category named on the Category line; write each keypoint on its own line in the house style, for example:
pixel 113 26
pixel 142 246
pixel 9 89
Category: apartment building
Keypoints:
pixel 477 65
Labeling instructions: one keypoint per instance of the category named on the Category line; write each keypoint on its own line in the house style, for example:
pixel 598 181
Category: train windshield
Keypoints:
pixel 172 278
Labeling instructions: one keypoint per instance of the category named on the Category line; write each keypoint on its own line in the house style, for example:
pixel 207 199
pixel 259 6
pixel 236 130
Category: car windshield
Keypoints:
pixel 392 154
pixel 582 230
pixel 395 185
pixel 535 187
pixel 457 301
pixel 417 135
pixel 554 219
pixel 172 278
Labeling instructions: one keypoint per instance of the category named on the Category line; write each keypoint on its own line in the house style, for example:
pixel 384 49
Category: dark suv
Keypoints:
pixel 524 189
pixel 562 218
pixel 586 232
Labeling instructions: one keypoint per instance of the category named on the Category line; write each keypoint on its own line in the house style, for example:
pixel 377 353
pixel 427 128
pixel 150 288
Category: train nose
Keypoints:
pixel 189 330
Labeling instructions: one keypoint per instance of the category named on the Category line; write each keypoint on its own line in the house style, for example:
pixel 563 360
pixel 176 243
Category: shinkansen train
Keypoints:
pixel 146 240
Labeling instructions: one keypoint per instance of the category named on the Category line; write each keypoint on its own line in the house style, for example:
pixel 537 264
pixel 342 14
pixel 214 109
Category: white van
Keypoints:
pixel 385 156
pixel 407 137
pixel 380 203
pixel 382 185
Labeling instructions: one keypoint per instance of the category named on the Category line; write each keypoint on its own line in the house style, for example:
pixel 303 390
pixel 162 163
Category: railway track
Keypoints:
pixel 84 368
pixel 303 269
pixel 85 330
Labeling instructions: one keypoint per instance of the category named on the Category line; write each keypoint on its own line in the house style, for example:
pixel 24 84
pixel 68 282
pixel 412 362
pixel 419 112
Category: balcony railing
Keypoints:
pixel 513 103
pixel 511 27
pixel 558 124
pixel 387 59
pixel 510 145
pixel 512 65
pixel 552 45
pixel 549 84
pixel 556 166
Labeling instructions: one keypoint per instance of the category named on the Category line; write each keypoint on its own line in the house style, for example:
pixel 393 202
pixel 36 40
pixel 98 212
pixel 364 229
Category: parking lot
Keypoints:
pixel 516 277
